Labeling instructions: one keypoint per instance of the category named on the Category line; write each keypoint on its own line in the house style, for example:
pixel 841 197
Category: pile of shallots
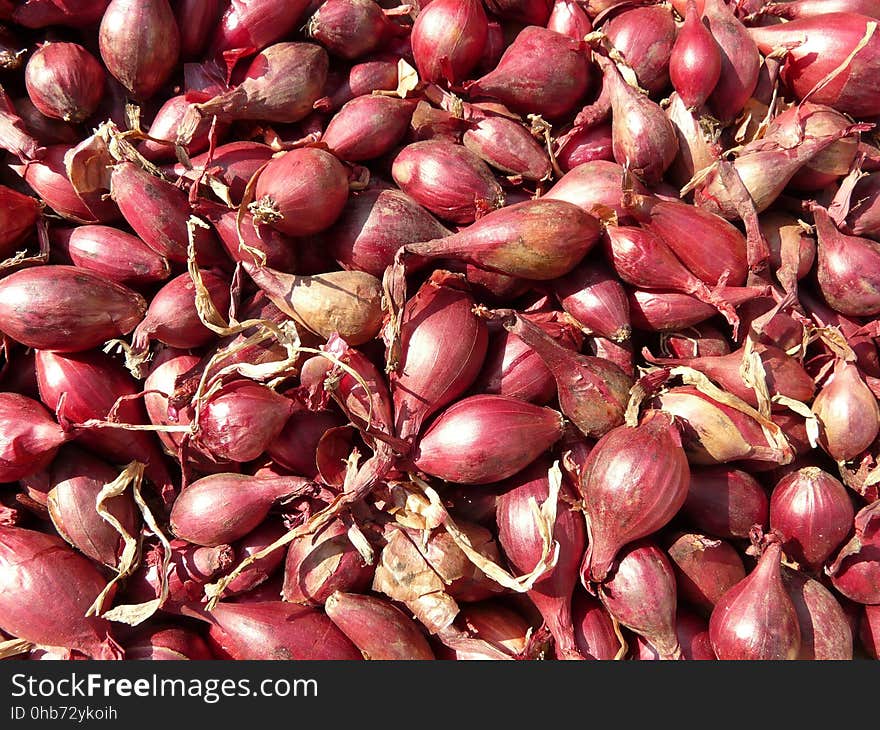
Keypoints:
pixel 461 329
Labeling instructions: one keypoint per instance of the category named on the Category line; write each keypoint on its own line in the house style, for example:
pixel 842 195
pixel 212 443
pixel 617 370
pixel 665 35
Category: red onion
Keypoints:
pixel 18 215
pixel 592 186
pixel 695 62
pixel 855 571
pixel 254 24
pixel 794 9
pixel 261 569
pixel 695 149
pixel 705 569
pixel 301 193
pixel 481 439
pixel 537 239
pixel 448 179
pixel 823 43
pixel 43 13
pixel 222 508
pixel 503 630
pixel 640 594
pixel 633 483
pixel 368 126
pixel 196 20
pixel 295 446
pixel 376 74
pixel 140 44
pixel 596 300
pixel 740 61
pixel 40 570
pixel 693 638
pixel 584 144
pixel 541 72
pixel 164 127
pixel 169 644
pixel 239 421
pixel 448 38
pixel 813 512
pixel 373 225
pixel 29 438
pixel 847 412
pixel 172 316
pixel 522 543
pixel 165 367
pixel 642 135
pixel 508 147
pixel 569 18
pixel 116 255
pixel 319 564
pixel 377 627
pixel 702 340
pixel 825 631
pixel 792 250
pixel 725 502
pixel 234 164
pixel 442 347
pixel 350 28
pixel 645 37
pixel 275 630
pixel 756 619
pixel 593 630
pixel 66 309
pixel 64 81
pixel 870 631
pixel 593 393
pixel 659 311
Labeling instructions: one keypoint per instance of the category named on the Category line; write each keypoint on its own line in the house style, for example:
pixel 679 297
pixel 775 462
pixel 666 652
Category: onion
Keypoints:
pixel 165 367
pixel 792 250
pixel 593 185
pixel 368 126
pixel 350 28
pixel 693 638
pixel 508 147
pixel 375 74
pixel 373 225
pixel 812 510
pixel 596 300
pixel 29 438
pixel 645 37
pixel 504 630
pixel 196 21
pixel 275 630
pixel 448 179
pixel 42 13
pixel 254 24
pixel 319 564
pixel 116 255
pixel 309 205
pixel 870 631
pixel 659 311
pixel 855 571
pixel 695 150
pixel 170 644
pixel 537 239
pixel 584 144
pixel 280 251
pixel 164 126
pixel 442 347
pixel 521 541
pixel 593 629
pixel 140 44
pixel 40 570
pixel 569 18
pixel 756 619
pixel 482 439
pixel 222 508
pixel 592 392
pixel 18 215
pixel 66 309
pixel 295 447
pixel 725 502
pixel 823 44
pixel 640 594
pixel 541 72
pixel 234 164
pixel 528 12
pixel 64 81
pixel 346 302
pixel 448 39
pixel 705 569
pixel 258 572
pixel 695 61
pixel 794 9
pixel 847 412
pixel 633 483
pixel 377 627
pixel 702 340
pixel 740 61
pixel 825 631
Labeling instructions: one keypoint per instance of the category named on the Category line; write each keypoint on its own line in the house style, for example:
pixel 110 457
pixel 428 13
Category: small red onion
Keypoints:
pixel 233 163
pixel 705 569
pixel 634 482
pixel 847 411
pixel 64 81
pixel 30 437
pixel 18 215
pixel 74 13
pixel 350 28
pixel 655 311
pixel 570 19
pixel 645 37
pixel 254 24
pixel 116 255
pixel 164 127
pixel 695 62
pixel 702 340
pixel 595 298
pixel 855 571
pixel 448 38
pixel 592 186
pixel 693 638
pixel 295 446
pixel 168 644
pixel 792 250
pixel 725 502
pixel 584 144
pixel 869 632
pixel 825 631
pixel 509 147
pixel 375 74
pixel 262 569
pixel 368 127
pixel 500 627
pixel 740 61
pixel 527 12
pixel 196 21
pixel 756 619
pixel 593 629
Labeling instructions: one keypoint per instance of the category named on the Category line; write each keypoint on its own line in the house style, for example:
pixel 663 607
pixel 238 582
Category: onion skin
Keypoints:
pixel 521 541
pixel 40 570
pixel 705 569
pixel 693 638
pixel 368 127
pixel 570 19
pixel 786 239
pixel 255 24
pixel 695 60
pixel 442 348
pixel 29 437
pixel 702 340
pixel 848 413
pixel 64 81
pixel 165 367
pixel 295 446
pixel 640 594
pixel 740 61
pixel 76 13
pixel 66 309
pixel 813 511
pixel 596 299
pixel 116 255
pixel 645 37
pixel 448 179
pixel 377 627
pixel 221 508
pixel 633 483
pixel 505 630
pixel 825 631
pixel 481 439
pixel 508 147
pixel 541 72
pixel 275 630
pixel 756 619
pixel 855 572
pixel 726 502
pixel 261 569
pixel 140 44
pixel 350 28
pixel 537 239
pixel 592 184
pixel 448 38
pixel 593 629
pixel 166 644
pixel 18 215
pixel 165 125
